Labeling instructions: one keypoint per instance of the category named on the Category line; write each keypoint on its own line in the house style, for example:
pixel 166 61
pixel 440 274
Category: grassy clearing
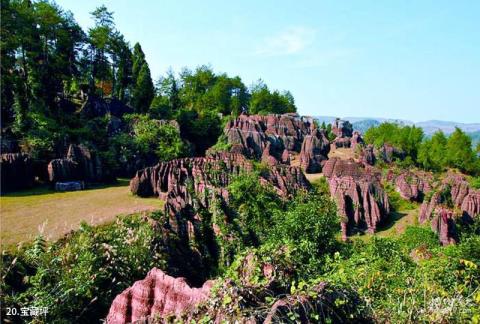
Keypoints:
pixel 27 213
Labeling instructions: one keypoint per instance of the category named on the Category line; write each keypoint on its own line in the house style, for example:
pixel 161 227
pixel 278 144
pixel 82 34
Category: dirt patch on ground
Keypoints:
pixel 26 214
pixel 341 153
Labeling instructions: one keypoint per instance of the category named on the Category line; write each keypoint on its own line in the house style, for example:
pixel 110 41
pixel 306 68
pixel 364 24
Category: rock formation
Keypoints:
pixel 413 185
pixel 158 295
pixel 343 131
pixel 361 200
pixel 80 164
pixel 342 128
pixel 276 137
pixel 336 167
pixel 388 153
pixel 315 148
pixel 95 106
pixel 356 140
pixel 342 142
pixel 17 172
pixel 454 193
pixel 367 156
pixel 191 183
pixel 444 225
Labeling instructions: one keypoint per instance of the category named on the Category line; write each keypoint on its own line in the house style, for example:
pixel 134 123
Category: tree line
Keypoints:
pixel 50 64
pixel 436 153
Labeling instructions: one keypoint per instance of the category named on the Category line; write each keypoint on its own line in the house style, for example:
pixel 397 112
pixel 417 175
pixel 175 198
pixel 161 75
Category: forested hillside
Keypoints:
pixel 56 77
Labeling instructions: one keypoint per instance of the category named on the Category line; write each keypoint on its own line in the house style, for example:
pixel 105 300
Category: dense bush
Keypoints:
pixel 406 138
pixel 412 279
pixel 309 227
pixel 78 276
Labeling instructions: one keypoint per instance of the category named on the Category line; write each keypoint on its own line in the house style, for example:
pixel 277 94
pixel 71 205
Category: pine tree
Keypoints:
pixel 144 91
pixel 138 58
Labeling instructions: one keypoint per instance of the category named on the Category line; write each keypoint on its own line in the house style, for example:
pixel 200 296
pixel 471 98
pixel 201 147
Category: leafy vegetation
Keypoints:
pixel 50 65
pixel 435 154
pixel 78 276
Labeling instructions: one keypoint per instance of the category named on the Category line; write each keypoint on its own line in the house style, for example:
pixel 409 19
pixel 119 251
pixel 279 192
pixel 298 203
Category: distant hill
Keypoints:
pixel 429 127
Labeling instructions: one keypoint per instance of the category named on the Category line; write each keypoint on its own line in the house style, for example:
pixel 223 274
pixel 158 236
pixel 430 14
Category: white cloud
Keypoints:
pixel 291 41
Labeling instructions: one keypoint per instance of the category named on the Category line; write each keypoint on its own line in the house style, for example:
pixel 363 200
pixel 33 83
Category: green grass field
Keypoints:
pixel 27 213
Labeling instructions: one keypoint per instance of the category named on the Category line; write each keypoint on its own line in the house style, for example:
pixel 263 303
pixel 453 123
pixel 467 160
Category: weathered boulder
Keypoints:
pixel 16 172
pixel 388 153
pixel 367 156
pixel 157 296
pixel 413 185
pixel 250 134
pixel 362 203
pixel 342 168
pixel 80 164
pixel 63 170
pixel 315 148
pixel 342 142
pixel 454 190
pixel 356 140
pixel 95 106
pixel 443 224
pixel 342 128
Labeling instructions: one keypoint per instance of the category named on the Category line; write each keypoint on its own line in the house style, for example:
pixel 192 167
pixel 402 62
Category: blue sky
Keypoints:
pixel 415 60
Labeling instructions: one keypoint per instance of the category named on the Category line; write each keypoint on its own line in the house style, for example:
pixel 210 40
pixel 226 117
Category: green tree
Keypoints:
pixel 143 92
pixel 308 226
pixel 262 101
pixel 405 138
pixel 459 153
pixel 143 88
pixel 431 154
pixel 167 97
pixel 254 205
pixel 100 37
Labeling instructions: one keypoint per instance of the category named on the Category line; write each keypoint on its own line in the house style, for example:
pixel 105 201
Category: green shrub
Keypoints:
pixel 309 227
pixel 78 276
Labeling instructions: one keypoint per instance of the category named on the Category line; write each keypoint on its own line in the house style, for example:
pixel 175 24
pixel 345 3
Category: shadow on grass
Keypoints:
pixel 393 217
pixel 45 189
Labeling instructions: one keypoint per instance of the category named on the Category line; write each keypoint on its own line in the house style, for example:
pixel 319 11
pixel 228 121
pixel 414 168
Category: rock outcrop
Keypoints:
pixel 157 296
pixel 388 153
pixel 361 200
pixel 336 167
pixel 342 128
pixel 444 225
pixel 191 183
pixel 16 171
pixel 343 131
pixel 413 185
pixel 80 164
pixel 274 138
pixel 453 194
pixel 367 156
pixel 315 148
pixel 95 106
pixel 356 140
